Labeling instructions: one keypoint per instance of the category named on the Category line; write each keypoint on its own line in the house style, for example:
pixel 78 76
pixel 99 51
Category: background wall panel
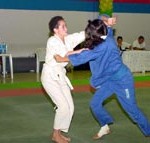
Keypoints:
pixel 24 23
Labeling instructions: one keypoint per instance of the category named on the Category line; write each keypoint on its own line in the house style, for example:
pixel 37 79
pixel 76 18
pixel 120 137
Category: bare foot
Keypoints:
pixel 57 138
pixel 66 138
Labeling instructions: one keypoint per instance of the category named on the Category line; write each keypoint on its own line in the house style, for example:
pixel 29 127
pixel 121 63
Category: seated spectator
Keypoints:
pixel 123 46
pixel 139 44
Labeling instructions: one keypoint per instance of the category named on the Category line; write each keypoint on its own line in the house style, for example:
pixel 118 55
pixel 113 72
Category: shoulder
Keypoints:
pixel 53 44
pixel 52 41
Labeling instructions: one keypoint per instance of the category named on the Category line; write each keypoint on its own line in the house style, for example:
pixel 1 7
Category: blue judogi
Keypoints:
pixel 110 75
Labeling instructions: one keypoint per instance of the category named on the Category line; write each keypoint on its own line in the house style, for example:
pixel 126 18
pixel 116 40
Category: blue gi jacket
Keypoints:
pixel 104 60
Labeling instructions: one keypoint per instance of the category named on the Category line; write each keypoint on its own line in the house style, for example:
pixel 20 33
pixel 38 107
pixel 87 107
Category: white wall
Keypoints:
pixel 25 30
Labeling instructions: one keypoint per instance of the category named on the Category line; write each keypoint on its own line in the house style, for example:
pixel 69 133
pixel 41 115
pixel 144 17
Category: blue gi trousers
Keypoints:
pixel 124 89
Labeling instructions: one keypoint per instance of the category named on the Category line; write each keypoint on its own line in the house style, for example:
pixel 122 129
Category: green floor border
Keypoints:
pixel 74 82
pixel 142 78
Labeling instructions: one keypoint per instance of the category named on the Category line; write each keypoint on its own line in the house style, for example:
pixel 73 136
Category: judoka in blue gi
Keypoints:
pixel 109 76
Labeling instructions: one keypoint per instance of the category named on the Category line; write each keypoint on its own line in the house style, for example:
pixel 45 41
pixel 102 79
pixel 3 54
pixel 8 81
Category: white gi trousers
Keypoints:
pixel 59 91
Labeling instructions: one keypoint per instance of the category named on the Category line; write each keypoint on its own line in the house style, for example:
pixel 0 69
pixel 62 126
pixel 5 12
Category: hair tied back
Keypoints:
pixel 89 21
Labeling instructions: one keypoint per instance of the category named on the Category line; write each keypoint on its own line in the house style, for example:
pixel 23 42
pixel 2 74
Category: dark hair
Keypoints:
pixel 120 37
pixel 94 30
pixel 141 37
pixel 54 23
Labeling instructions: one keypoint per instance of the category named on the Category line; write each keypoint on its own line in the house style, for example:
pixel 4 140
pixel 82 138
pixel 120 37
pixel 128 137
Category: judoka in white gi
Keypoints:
pixel 54 79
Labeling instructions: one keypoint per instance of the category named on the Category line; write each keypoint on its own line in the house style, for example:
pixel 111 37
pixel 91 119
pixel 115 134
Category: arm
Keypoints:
pixel 129 47
pixel 58 58
pixel 76 51
pixel 126 46
pixel 136 48
pixel 74 39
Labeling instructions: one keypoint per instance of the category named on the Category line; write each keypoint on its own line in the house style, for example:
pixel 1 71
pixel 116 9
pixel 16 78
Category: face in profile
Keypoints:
pixel 61 30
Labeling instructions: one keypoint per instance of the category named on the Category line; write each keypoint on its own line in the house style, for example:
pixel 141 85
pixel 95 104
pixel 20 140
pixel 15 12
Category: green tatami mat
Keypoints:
pixel 29 119
pixel 82 81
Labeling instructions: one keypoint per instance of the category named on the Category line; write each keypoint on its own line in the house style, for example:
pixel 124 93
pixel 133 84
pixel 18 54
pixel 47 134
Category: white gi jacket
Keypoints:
pixel 55 46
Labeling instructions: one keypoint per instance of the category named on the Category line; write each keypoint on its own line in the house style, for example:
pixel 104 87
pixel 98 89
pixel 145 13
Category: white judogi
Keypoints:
pixel 136 44
pixel 125 45
pixel 55 81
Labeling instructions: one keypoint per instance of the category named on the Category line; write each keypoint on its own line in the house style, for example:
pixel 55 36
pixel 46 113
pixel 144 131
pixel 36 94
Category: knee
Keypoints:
pixel 63 109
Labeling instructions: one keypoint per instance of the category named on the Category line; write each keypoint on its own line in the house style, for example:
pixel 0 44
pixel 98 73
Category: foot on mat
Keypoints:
pixel 105 130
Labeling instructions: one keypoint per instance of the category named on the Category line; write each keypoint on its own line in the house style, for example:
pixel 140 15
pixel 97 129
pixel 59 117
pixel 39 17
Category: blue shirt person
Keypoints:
pixel 109 76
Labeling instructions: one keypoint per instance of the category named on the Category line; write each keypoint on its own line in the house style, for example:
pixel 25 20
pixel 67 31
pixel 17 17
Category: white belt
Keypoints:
pixel 69 83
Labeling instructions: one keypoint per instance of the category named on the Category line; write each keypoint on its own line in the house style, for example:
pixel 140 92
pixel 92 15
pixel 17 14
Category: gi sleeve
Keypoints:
pixel 86 56
pixel 74 39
